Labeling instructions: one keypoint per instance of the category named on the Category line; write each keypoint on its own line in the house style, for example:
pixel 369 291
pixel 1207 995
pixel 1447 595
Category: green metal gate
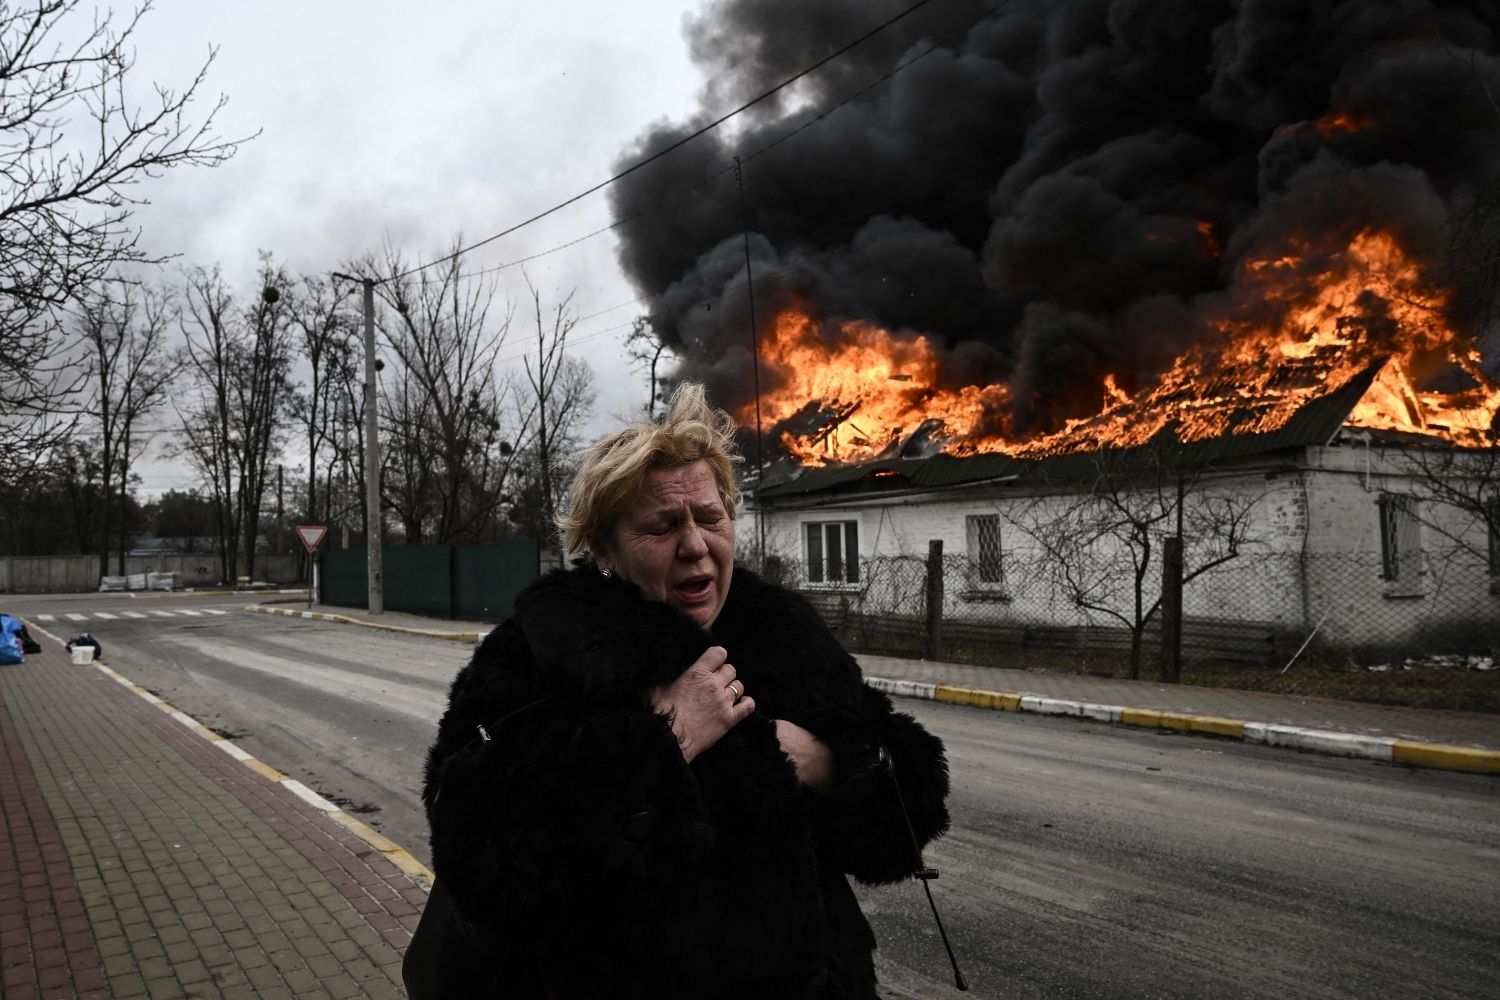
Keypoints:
pixel 478 583
pixel 486 579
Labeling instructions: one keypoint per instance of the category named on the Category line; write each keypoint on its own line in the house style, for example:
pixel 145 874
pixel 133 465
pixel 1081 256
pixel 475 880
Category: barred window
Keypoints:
pixel 984 548
pixel 832 551
pixel 1400 539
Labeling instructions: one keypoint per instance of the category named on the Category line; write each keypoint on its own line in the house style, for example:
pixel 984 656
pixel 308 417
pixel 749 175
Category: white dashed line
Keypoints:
pixel 164 614
pixel 74 616
pixel 215 611
pixel 105 615
pixel 190 613
pixel 46 618
pixel 134 614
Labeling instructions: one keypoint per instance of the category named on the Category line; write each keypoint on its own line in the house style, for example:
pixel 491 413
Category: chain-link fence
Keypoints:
pixel 1263 610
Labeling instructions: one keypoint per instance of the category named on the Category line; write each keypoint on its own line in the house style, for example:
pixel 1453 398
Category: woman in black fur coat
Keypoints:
pixel 653 780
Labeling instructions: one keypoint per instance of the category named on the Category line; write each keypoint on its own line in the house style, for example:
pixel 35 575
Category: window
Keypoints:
pixel 1400 543
pixel 832 551
pixel 984 548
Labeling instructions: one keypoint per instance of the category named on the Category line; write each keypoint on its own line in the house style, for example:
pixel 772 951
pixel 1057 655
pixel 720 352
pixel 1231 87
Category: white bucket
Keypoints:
pixel 83 655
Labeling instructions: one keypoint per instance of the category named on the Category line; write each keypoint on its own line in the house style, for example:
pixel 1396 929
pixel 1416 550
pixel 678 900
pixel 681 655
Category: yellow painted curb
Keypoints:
pixel 367 833
pixel 1448 757
pixel 1202 724
pixel 413 869
pixel 394 852
pixel 1140 717
pixel 979 699
pixel 1212 724
pixel 260 767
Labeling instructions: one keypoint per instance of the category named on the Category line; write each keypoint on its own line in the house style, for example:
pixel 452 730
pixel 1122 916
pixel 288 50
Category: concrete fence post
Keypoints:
pixel 935 599
pixel 1170 668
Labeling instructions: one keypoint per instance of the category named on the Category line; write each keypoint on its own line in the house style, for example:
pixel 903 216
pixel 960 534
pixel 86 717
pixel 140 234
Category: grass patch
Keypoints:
pixel 1417 687
pixel 1310 677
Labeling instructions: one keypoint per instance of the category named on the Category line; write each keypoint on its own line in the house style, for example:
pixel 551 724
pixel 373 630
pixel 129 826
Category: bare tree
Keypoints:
pixel 327 328
pixel 447 450
pixel 1458 490
pixel 1096 547
pixel 241 361
pixel 77 472
pixel 645 351
pixel 74 146
pixel 407 477
pixel 562 393
pixel 124 328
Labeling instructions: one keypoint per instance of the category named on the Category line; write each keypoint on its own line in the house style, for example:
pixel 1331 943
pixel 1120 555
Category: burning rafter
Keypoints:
pixel 1370 312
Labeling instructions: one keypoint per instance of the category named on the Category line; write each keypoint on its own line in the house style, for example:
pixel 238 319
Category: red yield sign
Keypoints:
pixel 311 535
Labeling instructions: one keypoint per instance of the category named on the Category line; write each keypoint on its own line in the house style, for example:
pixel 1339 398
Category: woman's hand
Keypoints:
pixel 810 755
pixel 704 703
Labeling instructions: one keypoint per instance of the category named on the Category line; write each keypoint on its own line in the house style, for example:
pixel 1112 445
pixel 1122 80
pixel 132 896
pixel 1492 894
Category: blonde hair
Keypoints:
pixel 614 470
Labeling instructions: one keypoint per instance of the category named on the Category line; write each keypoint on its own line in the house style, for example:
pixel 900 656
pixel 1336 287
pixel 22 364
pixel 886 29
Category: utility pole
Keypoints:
pixel 760 464
pixel 375 583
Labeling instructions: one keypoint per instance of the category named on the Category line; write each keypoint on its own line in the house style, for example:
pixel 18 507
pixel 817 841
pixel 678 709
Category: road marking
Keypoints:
pixel 105 615
pixel 214 611
pixel 164 614
pixel 134 614
pixel 188 612
pixel 76 617
pixel 46 618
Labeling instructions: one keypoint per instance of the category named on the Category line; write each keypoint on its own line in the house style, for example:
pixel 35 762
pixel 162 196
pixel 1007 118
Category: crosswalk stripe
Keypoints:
pixel 46 618
pixel 189 612
pixel 216 611
pixel 105 615
pixel 133 614
pixel 76 617
pixel 164 614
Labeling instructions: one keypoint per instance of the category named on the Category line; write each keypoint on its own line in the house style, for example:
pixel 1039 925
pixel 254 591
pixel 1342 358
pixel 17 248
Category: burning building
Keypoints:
pixel 996 246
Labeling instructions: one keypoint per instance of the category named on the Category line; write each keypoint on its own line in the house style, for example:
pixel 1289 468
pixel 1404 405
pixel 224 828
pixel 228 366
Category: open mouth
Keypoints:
pixel 695 590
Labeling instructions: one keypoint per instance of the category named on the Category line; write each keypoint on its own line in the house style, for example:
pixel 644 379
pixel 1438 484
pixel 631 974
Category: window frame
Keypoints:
pixel 840 534
pixel 1400 531
pixel 988 574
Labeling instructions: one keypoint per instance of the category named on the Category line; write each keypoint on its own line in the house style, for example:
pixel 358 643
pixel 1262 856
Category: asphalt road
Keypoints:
pixel 1084 861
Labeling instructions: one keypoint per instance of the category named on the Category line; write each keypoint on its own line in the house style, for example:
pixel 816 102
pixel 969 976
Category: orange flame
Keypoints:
pixel 862 392
pixel 1343 121
pixel 867 391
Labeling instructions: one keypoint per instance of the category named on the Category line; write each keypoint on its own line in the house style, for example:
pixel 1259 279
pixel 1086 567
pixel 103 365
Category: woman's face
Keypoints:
pixel 676 542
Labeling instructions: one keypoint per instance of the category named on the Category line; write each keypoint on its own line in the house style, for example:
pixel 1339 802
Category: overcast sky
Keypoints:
pixel 409 123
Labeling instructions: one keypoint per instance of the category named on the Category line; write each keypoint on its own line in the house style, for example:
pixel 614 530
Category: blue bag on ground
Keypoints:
pixel 10 640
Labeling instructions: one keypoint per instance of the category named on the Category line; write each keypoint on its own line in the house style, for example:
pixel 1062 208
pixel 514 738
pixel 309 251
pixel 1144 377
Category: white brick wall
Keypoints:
pixel 1312 558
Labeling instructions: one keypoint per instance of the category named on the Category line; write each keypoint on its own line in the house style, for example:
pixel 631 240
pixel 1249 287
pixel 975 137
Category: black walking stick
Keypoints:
pixel 924 873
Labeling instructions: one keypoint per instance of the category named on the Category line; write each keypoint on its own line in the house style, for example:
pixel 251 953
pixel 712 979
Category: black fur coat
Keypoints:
pixel 603 865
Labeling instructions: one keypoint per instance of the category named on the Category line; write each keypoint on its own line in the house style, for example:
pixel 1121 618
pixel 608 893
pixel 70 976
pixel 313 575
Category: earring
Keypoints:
pixel 607 573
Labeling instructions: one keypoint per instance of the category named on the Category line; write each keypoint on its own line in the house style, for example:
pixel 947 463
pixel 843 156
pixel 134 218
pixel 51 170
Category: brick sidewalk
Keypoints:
pixel 137 859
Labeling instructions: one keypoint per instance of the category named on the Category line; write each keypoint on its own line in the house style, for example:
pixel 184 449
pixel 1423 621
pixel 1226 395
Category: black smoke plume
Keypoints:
pixel 1055 189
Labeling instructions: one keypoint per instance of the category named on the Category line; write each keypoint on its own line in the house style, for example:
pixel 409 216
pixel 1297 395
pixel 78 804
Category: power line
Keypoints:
pixel 673 146
pixel 728 168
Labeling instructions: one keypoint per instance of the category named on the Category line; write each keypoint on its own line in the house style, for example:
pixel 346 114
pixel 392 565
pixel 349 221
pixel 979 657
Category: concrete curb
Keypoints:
pixel 396 854
pixel 191 592
pixel 1393 751
pixel 323 616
